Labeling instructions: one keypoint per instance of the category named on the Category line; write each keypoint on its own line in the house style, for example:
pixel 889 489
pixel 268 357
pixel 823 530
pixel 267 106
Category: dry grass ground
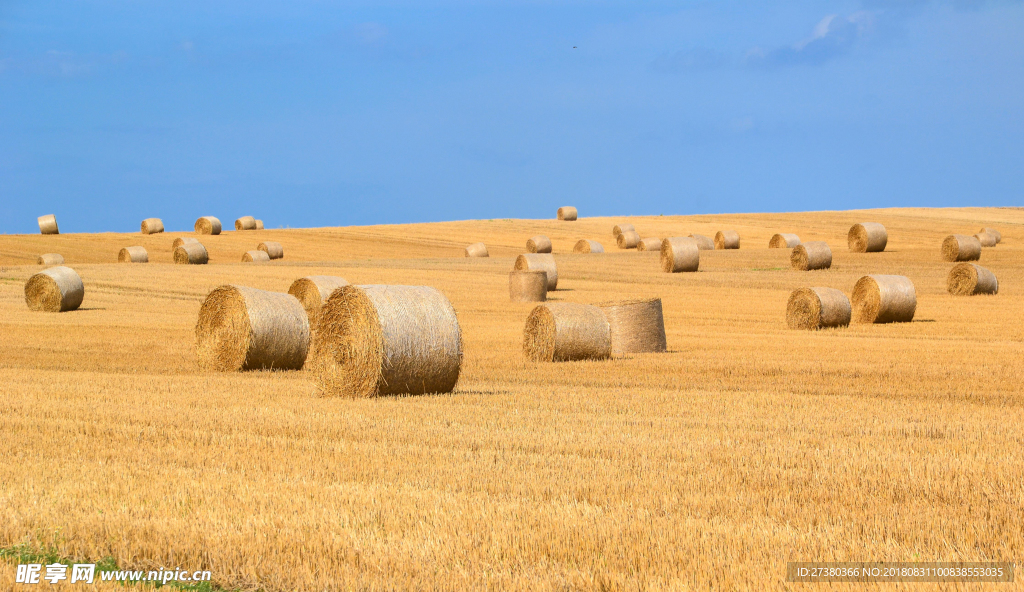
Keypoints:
pixel 746 446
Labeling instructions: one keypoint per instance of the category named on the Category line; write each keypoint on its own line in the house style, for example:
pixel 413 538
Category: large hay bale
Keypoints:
pixel 245 223
pixel 208 225
pixel 652 244
pixel 255 256
pixel 993 232
pixel 528 286
pixel 538 244
pixel 259 225
pixel 727 239
pixel 477 250
pixel 312 291
pixel 48 224
pixel 817 308
pixel 959 247
pixel 152 226
pixel 636 326
pixel 567 213
pixel 620 228
pixel 968 279
pixel 987 239
pixel 273 249
pixel 539 262
pixel 884 299
pixel 133 255
pixel 783 240
pixel 50 259
pixel 242 328
pixel 191 254
pixel 183 241
pixel 57 289
pixel 811 255
pixel 587 246
pixel 704 243
pixel 679 254
pixel 628 240
pixel 867 237
pixel 566 331
pixel 387 340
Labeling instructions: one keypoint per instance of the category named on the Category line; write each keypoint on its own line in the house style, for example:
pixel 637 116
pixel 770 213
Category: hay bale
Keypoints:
pixel 587 246
pixel 628 240
pixel 783 240
pixel 679 254
pixel 207 225
pixel 884 299
pixel 528 286
pixel 567 213
pixel 566 331
pixel 817 308
pixel 477 250
pixel 245 223
pixel 187 240
pixel 636 326
pixel 968 279
pixel 539 262
pixel 538 244
pixel 259 225
pixel 811 255
pixel 191 254
pixel 152 226
pixel 273 249
pixel 242 328
pixel 57 289
pixel 959 247
pixel 620 228
pixel 652 244
pixel 387 340
pixel 704 243
pixel 993 232
pixel 867 237
pixel 133 255
pixel 50 259
pixel 255 256
pixel 312 291
pixel 48 224
pixel 986 239
pixel 727 239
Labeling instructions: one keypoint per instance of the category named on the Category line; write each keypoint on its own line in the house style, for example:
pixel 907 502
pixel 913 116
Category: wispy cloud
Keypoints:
pixel 833 36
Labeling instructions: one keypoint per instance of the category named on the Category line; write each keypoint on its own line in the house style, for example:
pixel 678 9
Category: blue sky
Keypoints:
pixel 310 113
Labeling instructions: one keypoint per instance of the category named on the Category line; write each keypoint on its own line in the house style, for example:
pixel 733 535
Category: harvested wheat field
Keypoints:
pixel 709 466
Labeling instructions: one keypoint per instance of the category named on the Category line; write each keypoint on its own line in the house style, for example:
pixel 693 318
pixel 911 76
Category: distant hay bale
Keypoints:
pixel 704 243
pixel 628 240
pixel 811 255
pixel 884 299
pixel 57 289
pixel 477 250
pixel 387 340
pixel 968 279
pixel 191 254
pixel 587 246
pixel 727 239
pixel 183 241
pixel 527 286
pixel 133 255
pixel 48 224
pixel 783 240
pixel 993 232
pixel 152 226
pixel 817 308
pixel 679 254
pixel 567 213
pixel 652 244
pixel 636 326
pixel 986 239
pixel 245 223
pixel 273 249
pixel 959 247
pixel 208 225
pixel 312 291
pixel 620 228
pixel 867 237
pixel 539 262
pixel 50 259
pixel 259 225
pixel 565 332
pixel 242 328
pixel 255 256
pixel 538 244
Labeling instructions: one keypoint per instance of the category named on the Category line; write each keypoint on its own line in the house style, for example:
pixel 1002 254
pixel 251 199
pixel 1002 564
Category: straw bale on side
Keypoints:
pixel 255 256
pixel 968 279
pixel 567 213
pixel 959 247
pixel 208 225
pixel 566 331
pixel 783 240
pixel 993 232
pixel 727 239
pixel 245 223
pixel 986 239
pixel 191 254
pixel 152 226
pixel 133 255
pixel 538 244
pixel 628 240
pixel 273 249
pixel 182 241
pixel 312 291
pixel 704 243
pixel 867 237
pixel 652 244
pixel 636 326
pixel 539 262
pixel 679 254
pixel 528 286
pixel 620 228
pixel 259 225
pixel 817 308
pixel 884 299
pixel 57 289
pixel 811 255
pixel 48 224
pixel 50 259
pixel 587 246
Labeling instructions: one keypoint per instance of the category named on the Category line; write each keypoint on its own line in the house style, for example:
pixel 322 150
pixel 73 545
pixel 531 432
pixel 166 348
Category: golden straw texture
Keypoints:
pixel 884 299
pixel 152 226
pixel 182 241
pixel 133 255
pixel 587 246
pixel 993 232
pixel 636 326
pixel 255 256
pixel 566 331
pixel 259 225
pixel 959 247
pixel 783 241
pixel 527 286
pixel 312 291
pixel 245 223
pixel 57 289
pixel 817 308
pixel 191 254
pixel 273 249
pixel 539 262
pixel 620 228
pixel 867 237
pixel 50 259
pixel 811 255
pixel 679 254
pixel 538 244
pixel 986 239
pixel 477 250
pixel 652 244
pixel 704 243
pixel 208 225
pixel 567 213
pixel 628 239
pixel 727 239
pixel 48 224
pixel 968 279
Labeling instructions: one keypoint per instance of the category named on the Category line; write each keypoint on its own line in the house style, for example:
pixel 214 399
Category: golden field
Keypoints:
pixel 747 445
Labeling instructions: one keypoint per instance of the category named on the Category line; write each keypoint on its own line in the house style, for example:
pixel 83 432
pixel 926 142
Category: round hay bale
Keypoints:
pixel 986 239
pixel 884 299
pixel 587 246
pixel 152 226
pixel 48 224
pixel 538 244
pixel 208 225
pixel 387 340
pixel 57 289
pixel 539 262
pixel 636 326
pixel 528 286
pixel 254 256
pixel 783 241
pixel 959 247
pixel 867 237
pixel 817 308
pixel 993 232
pixel 567 213
pixel 242 328
pixel 811 255
pixel 620 228
pixel 704 243
pixel 679 254
pixel 245 223
pixel 968 279
pixel 652 244
pixel 477 250
pixel 191 254
pixel 727 239
pixel 50 259
pixel 628 240
pixel 183 241
pixel 273 249
pixel 133 255
pixel 259 225
pixel 566 331
pixel 312 291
